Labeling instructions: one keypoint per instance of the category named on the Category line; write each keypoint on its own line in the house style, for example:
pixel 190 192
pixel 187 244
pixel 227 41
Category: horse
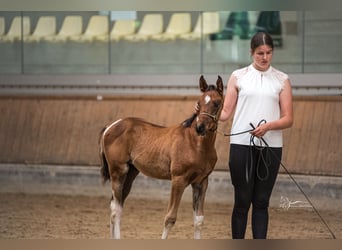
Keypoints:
pixel 184 153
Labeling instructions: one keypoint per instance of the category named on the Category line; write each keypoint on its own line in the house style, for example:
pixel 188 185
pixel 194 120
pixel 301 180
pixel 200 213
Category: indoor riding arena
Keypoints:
pixel 53 109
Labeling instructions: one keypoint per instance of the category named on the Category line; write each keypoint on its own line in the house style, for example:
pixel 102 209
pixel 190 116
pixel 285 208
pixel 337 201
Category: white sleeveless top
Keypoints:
pixel 258 98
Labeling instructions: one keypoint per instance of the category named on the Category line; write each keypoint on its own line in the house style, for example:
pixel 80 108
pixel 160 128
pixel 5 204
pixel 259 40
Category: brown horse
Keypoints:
pixel 184 153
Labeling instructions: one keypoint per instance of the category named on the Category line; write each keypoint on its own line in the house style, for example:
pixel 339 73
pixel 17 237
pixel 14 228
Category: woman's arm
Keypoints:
pixel 230 99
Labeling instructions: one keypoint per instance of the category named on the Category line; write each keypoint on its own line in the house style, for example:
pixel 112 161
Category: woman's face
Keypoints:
pixel 262 57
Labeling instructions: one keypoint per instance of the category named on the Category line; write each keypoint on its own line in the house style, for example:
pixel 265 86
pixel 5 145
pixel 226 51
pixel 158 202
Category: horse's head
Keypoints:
pixel 210 105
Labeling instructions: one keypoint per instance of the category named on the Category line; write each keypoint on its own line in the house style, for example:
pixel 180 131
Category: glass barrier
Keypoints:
pixel 137 42
pixel 11 43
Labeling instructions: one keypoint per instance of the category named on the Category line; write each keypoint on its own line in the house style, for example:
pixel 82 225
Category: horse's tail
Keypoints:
pixel 104 164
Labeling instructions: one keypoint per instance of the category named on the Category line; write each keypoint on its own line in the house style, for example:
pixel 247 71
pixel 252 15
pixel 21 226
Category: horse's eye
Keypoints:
pixel 216 104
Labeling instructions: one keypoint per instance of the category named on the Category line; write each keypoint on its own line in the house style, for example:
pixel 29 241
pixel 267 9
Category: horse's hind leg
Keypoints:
pixel 118 178
pixel 121 186
pixel 198 194
pixel 115 217
pixel 132 173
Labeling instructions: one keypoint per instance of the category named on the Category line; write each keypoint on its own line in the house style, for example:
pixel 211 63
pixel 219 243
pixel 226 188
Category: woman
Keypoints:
pixel 261 97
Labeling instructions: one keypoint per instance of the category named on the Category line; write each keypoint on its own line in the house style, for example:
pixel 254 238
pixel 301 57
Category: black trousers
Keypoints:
pixel 253 173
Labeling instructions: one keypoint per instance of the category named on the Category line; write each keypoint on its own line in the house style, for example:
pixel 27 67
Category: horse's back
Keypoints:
pixel 139 126
pixel 135 121
pixel 131 128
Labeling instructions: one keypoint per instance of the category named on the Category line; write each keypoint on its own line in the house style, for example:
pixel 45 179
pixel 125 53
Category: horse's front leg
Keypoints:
pixel 178 186
pixel 198 196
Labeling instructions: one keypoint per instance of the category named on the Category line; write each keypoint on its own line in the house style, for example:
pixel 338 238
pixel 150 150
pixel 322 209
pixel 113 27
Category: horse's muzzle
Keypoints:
pixel 200 129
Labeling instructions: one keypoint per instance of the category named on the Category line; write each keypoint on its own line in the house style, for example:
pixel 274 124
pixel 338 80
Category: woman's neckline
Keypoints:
pixel 261 71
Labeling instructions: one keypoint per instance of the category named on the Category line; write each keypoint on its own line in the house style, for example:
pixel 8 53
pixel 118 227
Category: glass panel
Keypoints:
pixel 160 44
pixel 10 42
pixel 55 48
pixel 322 36
pixel 229 49
pixel 203 42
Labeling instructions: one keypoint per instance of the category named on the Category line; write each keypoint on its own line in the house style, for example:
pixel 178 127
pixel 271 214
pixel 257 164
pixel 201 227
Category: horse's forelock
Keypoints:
pixel 211 87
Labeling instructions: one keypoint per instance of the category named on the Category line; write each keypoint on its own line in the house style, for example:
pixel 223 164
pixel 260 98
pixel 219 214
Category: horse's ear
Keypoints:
pixel 203 84
pixel 219 85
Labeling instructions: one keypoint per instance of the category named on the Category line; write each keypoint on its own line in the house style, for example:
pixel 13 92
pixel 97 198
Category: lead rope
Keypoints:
pixel 248 175
pixel 266 160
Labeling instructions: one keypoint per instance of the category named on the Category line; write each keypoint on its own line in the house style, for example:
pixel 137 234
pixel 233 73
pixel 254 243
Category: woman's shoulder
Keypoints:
pixel 282 76
pixel 238 73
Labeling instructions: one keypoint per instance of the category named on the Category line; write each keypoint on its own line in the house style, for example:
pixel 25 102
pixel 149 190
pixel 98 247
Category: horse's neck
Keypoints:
pixel 203 141
pixel 209 139
pixel 206 141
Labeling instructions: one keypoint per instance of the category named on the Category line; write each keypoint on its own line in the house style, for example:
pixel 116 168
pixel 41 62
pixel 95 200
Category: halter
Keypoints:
pixel 214 117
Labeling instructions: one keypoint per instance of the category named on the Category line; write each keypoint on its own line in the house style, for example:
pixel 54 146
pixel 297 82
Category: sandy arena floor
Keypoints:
pixel 26 216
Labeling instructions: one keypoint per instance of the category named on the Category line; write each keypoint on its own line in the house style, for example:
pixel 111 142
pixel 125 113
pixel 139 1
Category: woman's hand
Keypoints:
pixel 261 130
pixel 196 108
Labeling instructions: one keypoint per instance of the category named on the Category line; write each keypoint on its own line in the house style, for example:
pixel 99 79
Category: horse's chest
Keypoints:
pixel 207 163
pixel 206 166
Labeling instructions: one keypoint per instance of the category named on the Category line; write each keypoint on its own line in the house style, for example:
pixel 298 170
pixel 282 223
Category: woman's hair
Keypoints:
pixel 261 38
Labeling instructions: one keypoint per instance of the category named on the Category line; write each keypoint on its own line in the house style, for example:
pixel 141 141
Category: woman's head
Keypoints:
pixel 261 38
pixel 261 50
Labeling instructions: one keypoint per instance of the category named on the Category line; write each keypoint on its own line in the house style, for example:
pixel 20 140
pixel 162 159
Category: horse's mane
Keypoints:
pixel 187 123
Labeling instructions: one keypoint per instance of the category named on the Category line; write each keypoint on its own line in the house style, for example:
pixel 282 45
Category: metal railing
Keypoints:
pixel 183 85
